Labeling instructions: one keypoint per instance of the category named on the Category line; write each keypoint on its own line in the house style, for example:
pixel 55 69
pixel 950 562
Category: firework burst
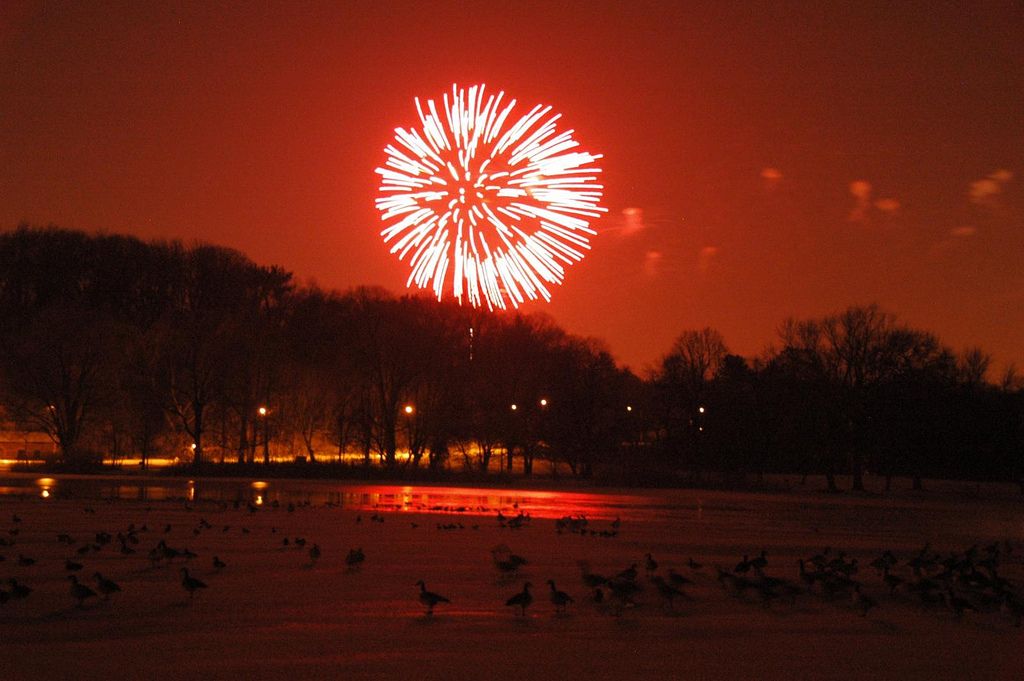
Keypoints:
pixel 487 205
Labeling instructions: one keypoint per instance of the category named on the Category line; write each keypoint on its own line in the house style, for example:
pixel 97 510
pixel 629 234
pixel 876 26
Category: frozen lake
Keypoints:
pixel 273 613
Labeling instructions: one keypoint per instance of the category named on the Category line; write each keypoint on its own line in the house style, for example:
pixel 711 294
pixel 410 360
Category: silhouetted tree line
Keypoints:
pixel 115 346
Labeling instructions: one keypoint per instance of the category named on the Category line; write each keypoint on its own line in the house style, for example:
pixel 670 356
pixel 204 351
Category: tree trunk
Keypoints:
pixel 858 474
pixel 528 464
pixel 243 441
pixel 485 458
pixel 197 456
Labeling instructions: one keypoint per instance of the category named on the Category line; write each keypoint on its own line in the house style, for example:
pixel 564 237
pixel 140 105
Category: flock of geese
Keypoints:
pixel 127 541
pixel 959 582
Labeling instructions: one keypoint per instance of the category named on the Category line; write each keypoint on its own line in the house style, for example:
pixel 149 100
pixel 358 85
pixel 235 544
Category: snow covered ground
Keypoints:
pixel 272 613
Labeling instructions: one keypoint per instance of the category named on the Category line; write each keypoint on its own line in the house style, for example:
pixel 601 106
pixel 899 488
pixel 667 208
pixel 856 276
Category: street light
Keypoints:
pixel 409 409
pixel 514 407
pixel 543 402
pixel 263 411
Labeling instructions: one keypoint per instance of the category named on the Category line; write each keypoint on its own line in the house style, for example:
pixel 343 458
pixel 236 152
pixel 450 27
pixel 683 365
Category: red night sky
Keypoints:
pixel 761 160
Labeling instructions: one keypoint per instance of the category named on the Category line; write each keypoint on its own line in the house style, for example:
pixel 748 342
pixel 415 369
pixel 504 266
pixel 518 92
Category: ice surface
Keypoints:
pixel 272 614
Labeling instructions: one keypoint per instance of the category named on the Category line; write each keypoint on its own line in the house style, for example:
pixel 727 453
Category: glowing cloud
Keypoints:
pixel 771 175
pixel 887 205
pixel 632 221
pixel 652 263
pixel 485 204
pixel 986 190
pixel 861 191
pixel 706 256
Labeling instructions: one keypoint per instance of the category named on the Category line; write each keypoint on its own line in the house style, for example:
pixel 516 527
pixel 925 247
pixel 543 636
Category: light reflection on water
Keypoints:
pixel 745 513
pixel 382 497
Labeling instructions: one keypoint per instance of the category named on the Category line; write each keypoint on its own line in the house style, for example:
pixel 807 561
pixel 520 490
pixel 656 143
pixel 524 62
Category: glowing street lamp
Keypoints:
pixel 263 411
pixel 700 409
pixel 514 407
pixel 543 402
pixel 409 409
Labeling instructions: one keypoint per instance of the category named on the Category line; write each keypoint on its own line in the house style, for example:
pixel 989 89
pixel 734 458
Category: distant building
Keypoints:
pixel 23 445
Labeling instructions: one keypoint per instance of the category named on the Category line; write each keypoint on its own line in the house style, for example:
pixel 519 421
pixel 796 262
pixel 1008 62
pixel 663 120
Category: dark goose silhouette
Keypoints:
pixel 521 600
pixel 560 599
pixel 80 592
pixel 429 598
pixel 190 583
pixel 106 586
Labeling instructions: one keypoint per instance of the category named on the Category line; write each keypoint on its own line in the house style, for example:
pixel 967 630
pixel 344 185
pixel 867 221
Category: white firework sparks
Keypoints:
pixel 489 206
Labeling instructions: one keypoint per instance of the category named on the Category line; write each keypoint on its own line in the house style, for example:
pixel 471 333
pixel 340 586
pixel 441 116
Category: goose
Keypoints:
pixel 820 560
pixel 80 591
pixel 429 598
pixel 667 591
pixel 892 581
pixel 677 580
pixel 559 598
pixel 105 586
pixel 837 586
pixel 190 583
pixel 650 564
pixel 1012 607
pixel 72 566
pixel 354 559
pixel 775 587
pixel 627 575
pixel 729 581
pixel 522 599
pixel 218 564
pixel 927 591
pixel 18 590
pixel 956 604
pixel 25 561
pixel 165 551
pixel 590 579
pixel 508 563
pixel 621 595
pixel 883 562
pixel 808 578
pixel 841 566
pixel 759 563
pixel 693 565
pixel 743 566
pixel 861 602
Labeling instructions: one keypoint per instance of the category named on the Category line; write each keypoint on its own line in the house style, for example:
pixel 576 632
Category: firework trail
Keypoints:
pixel 487 205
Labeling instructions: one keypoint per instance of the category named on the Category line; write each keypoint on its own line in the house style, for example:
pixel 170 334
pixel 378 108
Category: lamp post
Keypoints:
pixel 409 430
pixel 266 434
